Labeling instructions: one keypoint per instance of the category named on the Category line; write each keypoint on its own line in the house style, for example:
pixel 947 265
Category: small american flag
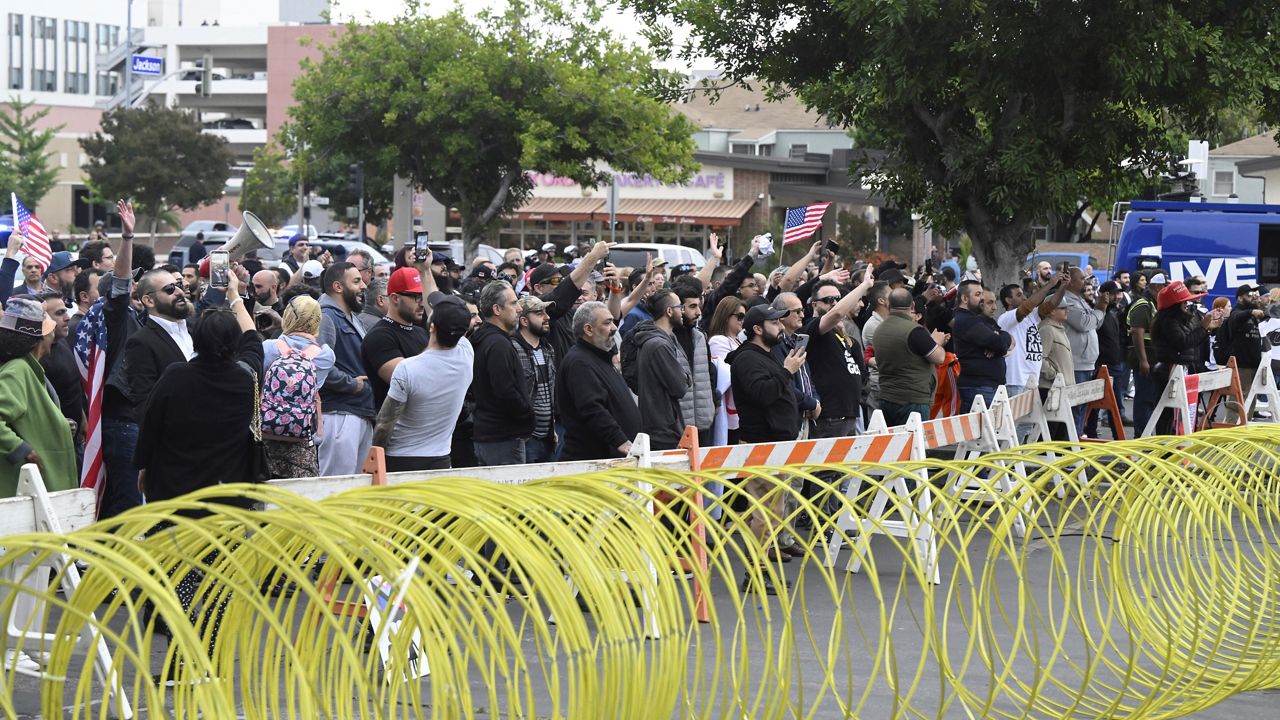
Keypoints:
pixel 802 222
pixel 37 243
pixel 91 358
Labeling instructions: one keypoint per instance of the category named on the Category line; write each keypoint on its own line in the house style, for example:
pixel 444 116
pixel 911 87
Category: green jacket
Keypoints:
pixel 30 420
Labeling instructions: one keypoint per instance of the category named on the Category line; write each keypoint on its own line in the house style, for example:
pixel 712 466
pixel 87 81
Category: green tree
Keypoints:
pixel 466 109
pixel 270 190
pixel 856 236
pixel 25 161
pixel 161 157
pixel 992 115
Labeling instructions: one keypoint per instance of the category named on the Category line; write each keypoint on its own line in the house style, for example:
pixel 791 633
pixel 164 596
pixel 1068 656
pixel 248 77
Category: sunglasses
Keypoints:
pixel 509 278
pixel 830 300
pixel 169 289
pixel 740 315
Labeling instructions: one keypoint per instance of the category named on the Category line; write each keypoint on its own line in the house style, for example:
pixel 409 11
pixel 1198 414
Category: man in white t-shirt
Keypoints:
pixel 1021 319
pixel 425 396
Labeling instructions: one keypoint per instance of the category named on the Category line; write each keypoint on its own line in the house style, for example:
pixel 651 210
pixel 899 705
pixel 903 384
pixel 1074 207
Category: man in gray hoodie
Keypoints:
pixel 1082 323
pixel 661 379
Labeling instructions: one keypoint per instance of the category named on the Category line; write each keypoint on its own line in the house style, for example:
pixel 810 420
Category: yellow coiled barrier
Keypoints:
pixel 1133 579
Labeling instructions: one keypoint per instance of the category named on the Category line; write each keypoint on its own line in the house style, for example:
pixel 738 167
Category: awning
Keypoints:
pixel 720 213
pixel 559 209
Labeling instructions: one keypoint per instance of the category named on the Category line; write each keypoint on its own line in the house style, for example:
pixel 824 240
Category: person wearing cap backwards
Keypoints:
pixel 399 334
pixel 1138 319
pixel 32 428
pixel 1245 339
pixel 426 393
pixel 1176 337
pixel 538 362
pixel 299 252
pixel 767 412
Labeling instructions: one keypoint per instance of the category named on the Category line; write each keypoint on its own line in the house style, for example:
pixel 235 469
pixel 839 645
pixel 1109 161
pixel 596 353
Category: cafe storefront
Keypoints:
pixel 649 210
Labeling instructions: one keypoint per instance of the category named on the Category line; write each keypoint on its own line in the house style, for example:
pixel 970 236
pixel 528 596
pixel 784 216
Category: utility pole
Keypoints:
pixel 128 64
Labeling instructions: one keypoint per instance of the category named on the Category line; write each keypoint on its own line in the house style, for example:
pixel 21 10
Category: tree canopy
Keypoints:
pixel 995 115
pixel 270 190
pixel 161 157
pixel 26 167
pixel 466 109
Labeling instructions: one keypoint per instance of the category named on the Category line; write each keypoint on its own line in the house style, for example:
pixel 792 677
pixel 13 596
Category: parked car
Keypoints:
pixel 1077 259
pixel 215 233
pixel 289 231
pixel 634 254
pixel 197 74
pixel 229 124
pixel 339 248
pixel 6 228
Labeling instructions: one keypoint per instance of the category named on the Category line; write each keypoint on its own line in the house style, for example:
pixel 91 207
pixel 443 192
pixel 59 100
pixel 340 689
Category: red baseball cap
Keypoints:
pixel 404 281
pixel 1174 293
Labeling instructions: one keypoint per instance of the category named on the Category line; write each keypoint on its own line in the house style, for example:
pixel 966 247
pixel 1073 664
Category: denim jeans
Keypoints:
pixel 1146 393
pixel 119 438
pixel 898 413
pixel 1082 376
pixel 501 452
pixel 967 394
pixel 539 450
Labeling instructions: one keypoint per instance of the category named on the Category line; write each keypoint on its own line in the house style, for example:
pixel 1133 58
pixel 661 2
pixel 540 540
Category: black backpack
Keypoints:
pixel 629 355
pixel 1222 343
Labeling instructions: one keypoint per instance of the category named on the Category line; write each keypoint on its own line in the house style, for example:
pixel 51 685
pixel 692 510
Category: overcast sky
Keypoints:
pixel 623 23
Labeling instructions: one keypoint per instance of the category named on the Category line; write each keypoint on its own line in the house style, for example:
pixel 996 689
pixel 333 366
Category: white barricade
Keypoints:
pixel 1264 388
pixel 1182 395
pixel 35 509
pixel 1063 399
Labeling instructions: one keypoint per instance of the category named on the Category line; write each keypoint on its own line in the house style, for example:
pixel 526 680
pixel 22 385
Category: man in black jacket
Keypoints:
pixel 980 345
pixel 503 416
pixel 661 380
pixel 599 416
pixel 766 413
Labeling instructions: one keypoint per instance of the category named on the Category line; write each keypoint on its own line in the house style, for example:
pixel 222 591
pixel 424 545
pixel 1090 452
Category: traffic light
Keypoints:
pixel 204 88
pixel 355 179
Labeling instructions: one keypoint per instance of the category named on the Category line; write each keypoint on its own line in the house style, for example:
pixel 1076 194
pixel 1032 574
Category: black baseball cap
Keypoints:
pixel 451 318
pixel 760 314
pixel 543 272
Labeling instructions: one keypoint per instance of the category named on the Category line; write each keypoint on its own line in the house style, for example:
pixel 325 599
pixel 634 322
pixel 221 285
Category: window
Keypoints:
pixel 15 78
pixel 45 80
pixel 76 52
pixel 44 54
pixel 108 83
pixel 798 152
pixel 108 37
pixel 766 150
pixel 742 149
pixel 1224 182
pixel 15 25
pixel 15 51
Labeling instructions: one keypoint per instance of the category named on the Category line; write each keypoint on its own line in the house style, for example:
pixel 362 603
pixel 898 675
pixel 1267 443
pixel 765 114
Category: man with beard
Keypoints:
pixel 538 361
pixel 767 412
pixel 562 288
pixel 163 339
pixel 599 415
pixel 503 415
pixel 698 404
pixel 191 279
pixel 346 399
pixel 399 334
pixel 837 376
pixel 660 380
pixel 1177 333
pixel 980 345
pixel 265 285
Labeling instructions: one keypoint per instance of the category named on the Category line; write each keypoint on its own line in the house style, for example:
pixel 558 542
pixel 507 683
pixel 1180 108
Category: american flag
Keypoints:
pixel 91 358
pixel 802 222
pixel 37 243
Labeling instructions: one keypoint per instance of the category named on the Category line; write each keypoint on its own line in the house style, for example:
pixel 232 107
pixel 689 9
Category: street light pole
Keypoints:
pixel 128 63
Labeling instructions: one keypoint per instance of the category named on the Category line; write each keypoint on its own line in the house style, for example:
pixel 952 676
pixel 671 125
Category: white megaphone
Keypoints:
pixel 252 235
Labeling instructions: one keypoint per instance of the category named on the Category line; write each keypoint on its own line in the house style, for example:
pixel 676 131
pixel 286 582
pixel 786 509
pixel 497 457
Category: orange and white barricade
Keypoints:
pixel 1182 396
pixel 1096 394
pixel 1008 412
pixel 888 447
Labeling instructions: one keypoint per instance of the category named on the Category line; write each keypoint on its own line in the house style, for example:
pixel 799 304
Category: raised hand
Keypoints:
pixel 125 208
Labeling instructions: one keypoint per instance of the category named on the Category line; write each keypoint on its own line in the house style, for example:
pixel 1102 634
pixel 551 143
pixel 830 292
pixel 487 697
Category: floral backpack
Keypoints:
pixel 290 395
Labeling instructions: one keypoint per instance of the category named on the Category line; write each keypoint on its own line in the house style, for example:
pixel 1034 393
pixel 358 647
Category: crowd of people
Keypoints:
pixel 297 371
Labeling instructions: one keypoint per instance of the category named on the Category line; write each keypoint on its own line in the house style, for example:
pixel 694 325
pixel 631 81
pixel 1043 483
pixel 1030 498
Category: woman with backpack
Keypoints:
pixel 295 365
